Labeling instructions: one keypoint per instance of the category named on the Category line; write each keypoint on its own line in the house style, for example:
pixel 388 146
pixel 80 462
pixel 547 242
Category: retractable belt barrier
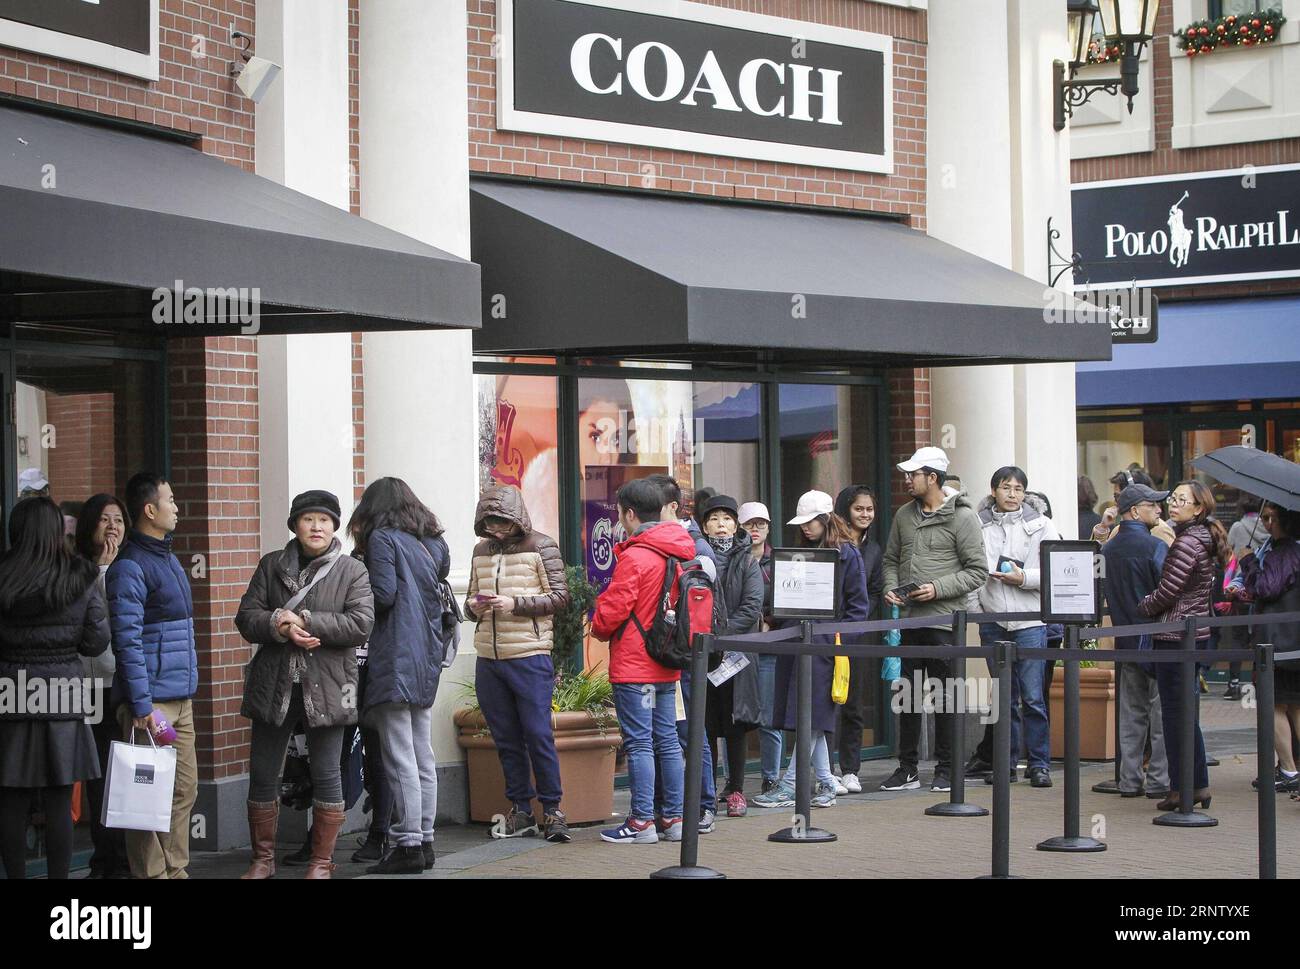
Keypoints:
pixel 1001 656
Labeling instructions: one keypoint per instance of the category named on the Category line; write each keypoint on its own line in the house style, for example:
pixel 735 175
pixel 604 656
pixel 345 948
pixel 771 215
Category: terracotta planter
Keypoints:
pixel 1096 713
pixel 586 766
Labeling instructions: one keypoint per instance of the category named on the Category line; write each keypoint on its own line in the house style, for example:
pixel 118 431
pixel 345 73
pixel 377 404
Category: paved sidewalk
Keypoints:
pixel 887 835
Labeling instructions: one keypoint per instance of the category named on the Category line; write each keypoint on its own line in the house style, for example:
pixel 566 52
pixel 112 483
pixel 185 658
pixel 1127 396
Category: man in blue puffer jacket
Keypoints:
pixel 151 612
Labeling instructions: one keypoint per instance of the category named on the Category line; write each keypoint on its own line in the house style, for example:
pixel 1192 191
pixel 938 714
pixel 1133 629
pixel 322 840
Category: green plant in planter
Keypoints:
pixel 1084 664
pixel 571 626
pixel 574 692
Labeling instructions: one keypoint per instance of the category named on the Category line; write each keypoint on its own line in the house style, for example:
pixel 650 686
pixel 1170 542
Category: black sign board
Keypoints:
pixel 118 23
pixel 1133 313
pixel 1070 582
pixel 1238 224
pixel 697 78
pixel 806 583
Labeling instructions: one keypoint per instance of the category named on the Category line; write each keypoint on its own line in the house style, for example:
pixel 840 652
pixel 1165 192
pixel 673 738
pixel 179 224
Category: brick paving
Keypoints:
pixel 887 835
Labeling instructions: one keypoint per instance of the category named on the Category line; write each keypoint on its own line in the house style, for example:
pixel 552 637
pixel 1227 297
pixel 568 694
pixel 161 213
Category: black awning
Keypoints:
pixel 94 219
pixel 577 271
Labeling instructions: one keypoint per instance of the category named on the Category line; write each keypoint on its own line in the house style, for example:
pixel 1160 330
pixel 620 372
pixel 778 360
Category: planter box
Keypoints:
pixel 1096 713
pixel 586 767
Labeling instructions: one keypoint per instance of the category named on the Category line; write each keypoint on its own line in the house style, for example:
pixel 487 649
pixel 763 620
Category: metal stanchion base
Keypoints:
pixel 687 871
pixel 801 836
pixel 1071 844
pixel 1105 787
pixel 959 809
pixel 1176 819
pixel 1012 878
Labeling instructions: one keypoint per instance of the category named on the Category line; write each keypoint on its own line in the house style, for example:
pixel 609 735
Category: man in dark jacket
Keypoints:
pixel 152 617
pixel 1134 558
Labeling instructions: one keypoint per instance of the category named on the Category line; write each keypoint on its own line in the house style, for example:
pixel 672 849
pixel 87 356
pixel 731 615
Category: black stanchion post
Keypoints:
pixel 1002 660
pixel 956 806
pixel 1071 841
pixel 688 867
pixel 802 831
pixel 1112 786
pixel 1264 753
pixel 1185 817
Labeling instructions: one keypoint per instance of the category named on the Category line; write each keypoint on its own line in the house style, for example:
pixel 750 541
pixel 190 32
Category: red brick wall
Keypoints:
pixel 82 462
pixel 213 387
pixel 603 163
pixel 192 94
pixel 354 154
pixel 909 419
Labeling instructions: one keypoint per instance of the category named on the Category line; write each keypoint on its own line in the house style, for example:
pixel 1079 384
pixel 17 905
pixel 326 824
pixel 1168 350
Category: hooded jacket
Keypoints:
pixel 1018 535
pixel 527 567
pixel 946 548
pixel 339 611
pixel 634 587
pixel 151 612
pixel 740 583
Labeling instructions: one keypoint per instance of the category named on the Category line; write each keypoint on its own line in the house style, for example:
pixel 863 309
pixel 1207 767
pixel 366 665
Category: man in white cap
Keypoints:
pixel 32 482
pixel 936 545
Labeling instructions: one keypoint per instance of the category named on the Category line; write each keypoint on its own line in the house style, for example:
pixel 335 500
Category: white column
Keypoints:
pixel 997 171
pixel 1046 428
pixel 304 381
pixel 969 204
pixel 421 419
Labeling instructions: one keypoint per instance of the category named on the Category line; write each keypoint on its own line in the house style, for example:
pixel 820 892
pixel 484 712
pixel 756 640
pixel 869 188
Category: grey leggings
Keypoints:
pixel 271 743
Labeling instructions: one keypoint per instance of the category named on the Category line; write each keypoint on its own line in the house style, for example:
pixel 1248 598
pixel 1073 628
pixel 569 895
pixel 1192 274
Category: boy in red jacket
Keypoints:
pixel 645 693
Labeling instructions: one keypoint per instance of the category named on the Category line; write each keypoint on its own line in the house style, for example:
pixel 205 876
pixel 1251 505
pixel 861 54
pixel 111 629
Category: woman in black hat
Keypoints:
pixel 306 610
pixel 733 709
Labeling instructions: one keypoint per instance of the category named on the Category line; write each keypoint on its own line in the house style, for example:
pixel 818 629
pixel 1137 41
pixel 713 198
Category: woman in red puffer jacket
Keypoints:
pixel 1185 588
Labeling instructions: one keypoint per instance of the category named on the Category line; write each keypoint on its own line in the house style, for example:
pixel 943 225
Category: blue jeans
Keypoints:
pixel 821 764
pixel 1026 693
pixel 515 697
pixel 647 714
pixel 708 786
pixel 769 737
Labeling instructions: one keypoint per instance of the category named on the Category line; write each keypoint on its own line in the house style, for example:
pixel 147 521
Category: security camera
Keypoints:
pixel 255 75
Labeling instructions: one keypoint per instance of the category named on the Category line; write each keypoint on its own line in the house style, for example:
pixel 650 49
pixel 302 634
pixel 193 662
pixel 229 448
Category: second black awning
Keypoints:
pixel 600 273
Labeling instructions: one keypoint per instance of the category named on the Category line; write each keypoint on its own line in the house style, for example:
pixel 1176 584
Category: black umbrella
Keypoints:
pixel 1273 478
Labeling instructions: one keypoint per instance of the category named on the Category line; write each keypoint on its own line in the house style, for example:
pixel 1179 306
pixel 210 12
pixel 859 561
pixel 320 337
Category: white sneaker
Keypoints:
pixel 839 786
pixel 851 784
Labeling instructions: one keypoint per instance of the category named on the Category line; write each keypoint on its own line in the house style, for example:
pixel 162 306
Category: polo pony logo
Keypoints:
pixel 1180 237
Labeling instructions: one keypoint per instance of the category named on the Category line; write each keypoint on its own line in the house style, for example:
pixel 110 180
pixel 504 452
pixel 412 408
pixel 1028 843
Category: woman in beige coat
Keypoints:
pixel 517 585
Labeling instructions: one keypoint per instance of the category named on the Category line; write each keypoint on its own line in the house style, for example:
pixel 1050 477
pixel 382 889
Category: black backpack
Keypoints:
pixel 668 640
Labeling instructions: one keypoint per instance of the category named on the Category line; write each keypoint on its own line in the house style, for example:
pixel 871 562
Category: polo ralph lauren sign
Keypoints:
pixel 696 78
pixel 1238 224
pixel 121 35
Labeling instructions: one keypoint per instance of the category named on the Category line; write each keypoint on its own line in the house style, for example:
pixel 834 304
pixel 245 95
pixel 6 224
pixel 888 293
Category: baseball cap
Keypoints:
pixel 754 509
pixel 811 504
pixel 31 479
pixel 927 457
pixel 1137 493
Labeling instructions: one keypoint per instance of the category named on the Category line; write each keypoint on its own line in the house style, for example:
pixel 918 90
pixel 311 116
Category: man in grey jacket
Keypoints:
pixel 935 544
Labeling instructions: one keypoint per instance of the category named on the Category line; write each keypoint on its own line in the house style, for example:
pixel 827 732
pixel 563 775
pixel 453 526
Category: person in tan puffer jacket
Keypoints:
pixel 516 587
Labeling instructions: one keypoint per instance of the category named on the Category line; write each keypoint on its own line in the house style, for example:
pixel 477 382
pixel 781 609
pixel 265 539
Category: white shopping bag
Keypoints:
pixel 138 786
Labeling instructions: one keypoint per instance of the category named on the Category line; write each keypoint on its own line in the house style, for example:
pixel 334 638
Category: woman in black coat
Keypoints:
pixel 307 609
pixel 52 613
pixel 856 504
pixel 732 709
pixel 401 543
pixel 821 528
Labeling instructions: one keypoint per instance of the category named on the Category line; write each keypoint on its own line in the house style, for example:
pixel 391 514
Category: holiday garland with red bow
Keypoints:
pixel 1248 30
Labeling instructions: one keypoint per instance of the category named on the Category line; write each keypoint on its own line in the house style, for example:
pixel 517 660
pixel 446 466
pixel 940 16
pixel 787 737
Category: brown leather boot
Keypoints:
pixel 262 819
pixel 326 822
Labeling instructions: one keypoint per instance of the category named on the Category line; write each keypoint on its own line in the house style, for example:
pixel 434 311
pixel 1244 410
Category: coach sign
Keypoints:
pixel 120 35
pixel 696 78
pixel 1226 225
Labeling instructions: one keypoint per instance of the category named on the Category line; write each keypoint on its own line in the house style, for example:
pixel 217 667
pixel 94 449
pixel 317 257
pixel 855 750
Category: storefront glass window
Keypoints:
pixel 84 424
pixel 1201 441
pixel 517 442
pixel 1108 448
